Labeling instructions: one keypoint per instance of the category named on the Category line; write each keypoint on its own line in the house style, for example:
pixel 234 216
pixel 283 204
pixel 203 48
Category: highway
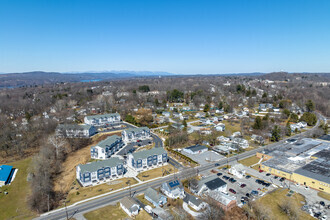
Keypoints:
pixel 108 199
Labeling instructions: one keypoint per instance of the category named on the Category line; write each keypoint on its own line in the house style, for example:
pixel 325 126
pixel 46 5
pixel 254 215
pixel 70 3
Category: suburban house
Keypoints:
pixel 74 130
pixel 238 170
pixel 102 120
pixel 166 114
pixel 161 214
pixel 134 134
pixel 195 149
pixel 207 185
pixel 156 198
pixel 95 172
pixel 107 147
pixel 147 159
pixel 130 206
pixel 173 189
pixel 6 173
pixel 220 127
pixel 194 202
pixel 226 202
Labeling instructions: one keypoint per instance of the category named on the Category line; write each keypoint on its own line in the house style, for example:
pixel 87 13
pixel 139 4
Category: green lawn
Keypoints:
pixel 14 204
pixel 249 161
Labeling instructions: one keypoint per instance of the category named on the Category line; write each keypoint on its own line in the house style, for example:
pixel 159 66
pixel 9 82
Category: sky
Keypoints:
pixel 177 36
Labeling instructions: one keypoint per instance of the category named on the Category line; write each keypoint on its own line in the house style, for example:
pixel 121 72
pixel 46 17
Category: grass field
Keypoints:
pixel 108 212
pixel 324 195
pixel 114 213
pixel 249 161
pixel 14 204
pixel 79 193
pixel 274 199
pixel 232 127
pixel 157 172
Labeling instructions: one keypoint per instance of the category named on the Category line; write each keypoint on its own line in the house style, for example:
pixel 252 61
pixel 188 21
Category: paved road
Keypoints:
pixel 157 183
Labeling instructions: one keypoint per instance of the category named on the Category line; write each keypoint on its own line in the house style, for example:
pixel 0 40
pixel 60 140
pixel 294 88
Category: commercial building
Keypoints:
pixel 224 201
pixel 99 171
pixel 147 159
pixel 134 134
pixel 102 120
pixel 6 173
pixel 107 147
pixel 196 149
pixel 75 130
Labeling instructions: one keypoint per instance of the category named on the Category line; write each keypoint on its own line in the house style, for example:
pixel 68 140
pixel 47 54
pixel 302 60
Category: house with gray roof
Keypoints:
pixel 207 185
pixel 104 149
pixel 100 171
pixel 155 197
pixel 134 134
pixel 102 120
pixel 75 131
pixel 194 202
pixel 130 206
pixel 147 159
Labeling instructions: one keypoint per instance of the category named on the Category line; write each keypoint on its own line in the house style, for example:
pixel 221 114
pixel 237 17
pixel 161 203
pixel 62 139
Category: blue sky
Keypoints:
pixel 175 36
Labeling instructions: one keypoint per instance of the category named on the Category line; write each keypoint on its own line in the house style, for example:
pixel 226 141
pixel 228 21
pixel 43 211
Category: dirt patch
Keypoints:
pixel 67 176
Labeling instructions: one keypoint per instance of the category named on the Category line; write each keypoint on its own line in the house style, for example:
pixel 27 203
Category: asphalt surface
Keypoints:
pixel 92 204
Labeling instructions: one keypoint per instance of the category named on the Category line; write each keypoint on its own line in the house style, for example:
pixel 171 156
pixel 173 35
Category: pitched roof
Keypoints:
pixel 128 202
pixel 5 171
pixel 153 194
pixel 102 116
pixel 94 166
pixel 137 130
pixel 146 153
pixel 194 200
pixel 108 142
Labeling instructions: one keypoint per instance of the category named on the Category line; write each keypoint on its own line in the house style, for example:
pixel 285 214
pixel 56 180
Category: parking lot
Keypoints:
pixel 204 158
pixel 131 147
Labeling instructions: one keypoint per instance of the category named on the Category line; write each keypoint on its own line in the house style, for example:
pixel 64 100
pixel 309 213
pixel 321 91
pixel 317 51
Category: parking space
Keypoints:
pixel 131 147
pixel 204 158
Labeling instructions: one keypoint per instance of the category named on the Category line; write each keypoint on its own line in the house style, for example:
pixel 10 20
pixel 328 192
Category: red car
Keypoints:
pixel 138 141
pixel 243 185
pixel 260 171
pixel 232 191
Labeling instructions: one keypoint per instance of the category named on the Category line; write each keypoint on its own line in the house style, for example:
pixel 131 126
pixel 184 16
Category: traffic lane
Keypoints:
pixel 174 163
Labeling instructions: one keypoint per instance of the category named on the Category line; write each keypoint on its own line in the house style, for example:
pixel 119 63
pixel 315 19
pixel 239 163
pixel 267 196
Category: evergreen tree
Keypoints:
pixel 257 123
pixel 276 134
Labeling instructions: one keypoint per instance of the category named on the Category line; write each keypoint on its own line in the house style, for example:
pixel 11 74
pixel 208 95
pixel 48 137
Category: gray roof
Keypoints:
pixel 137 130
pixel 194 200
pixel 318 169
pixel 153 194
pixel 196 147
pixel 108 141
pixel 94 166
pixel 73 127
pixel 146 153
pixel 283 163
pixel 215 183
pixel 128 202
pixel 208 179
pixel 102 116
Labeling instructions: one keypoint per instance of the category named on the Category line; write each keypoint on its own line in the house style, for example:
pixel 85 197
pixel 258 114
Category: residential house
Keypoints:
pixel 195 149
pixel 75 130
pixel 258 139
pixel 95 172
pixel 130 206
pixel 6 173
pixel 224 201
pixel 166 114
pixel 176 115
pixel 107 147
pixel 173 189
pixel 238 170
pixel 194 202
pixel 220 127
pixel 155 197
pixel 102 120
pixel 134 134
pixel 208 184
pixel 147 159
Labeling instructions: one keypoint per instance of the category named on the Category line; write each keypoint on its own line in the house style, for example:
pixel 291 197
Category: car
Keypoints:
pixel 232 191
pixel 268 174
pixel 247 195
pixel 139 145
pixel 282 179
pixel 219 174
pixel 138 141
pixel 306 187
pixel 217 164
pixel 267 184
pixel 148 209
pixel 225 168
pixel 260 171
pixel 254 192
pixel 243 185
pixel 322 203
pixel 248 177
pixel 275 177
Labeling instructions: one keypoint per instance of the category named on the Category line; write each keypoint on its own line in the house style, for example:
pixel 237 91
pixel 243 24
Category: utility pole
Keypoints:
pixel 48 202
pixel 66 211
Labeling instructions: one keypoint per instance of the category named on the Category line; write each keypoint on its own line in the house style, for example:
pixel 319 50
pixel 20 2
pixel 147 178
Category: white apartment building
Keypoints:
pixel 107 147
pixel 134 134
pixel 102 120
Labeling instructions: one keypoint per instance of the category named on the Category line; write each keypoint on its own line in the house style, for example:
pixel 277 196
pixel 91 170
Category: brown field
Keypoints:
pixel 154 173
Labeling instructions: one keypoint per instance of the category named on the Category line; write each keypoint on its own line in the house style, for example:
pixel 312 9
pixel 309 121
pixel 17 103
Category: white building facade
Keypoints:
pixel 107 147
pixel 102 120
pixel 134 134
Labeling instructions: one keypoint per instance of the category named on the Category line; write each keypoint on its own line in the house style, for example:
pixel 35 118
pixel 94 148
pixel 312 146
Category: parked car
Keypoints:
pixel 260 171
pixel 282 179
pixel 268 174
pixel 248 177
pixel 148 209
pixel 217 164
pixel 138 141
pixel 322 203
pixel 254 192
pixel 219 174
pixel 232 191
pixel 275 177
pixel 243 185
pixel 247 195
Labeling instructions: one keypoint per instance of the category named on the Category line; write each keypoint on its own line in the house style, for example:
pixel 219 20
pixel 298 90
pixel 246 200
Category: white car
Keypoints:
pixel 148 209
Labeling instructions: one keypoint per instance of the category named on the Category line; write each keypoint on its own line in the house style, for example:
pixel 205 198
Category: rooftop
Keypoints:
pixel 137 130
pixel 146 153
pixel 153 194
pixel 94 166
pixel 102 116
pixel 215 183
pixel 128 202
pixel 5 171
pixel 283 163
pixel 222 198
pixel 108 141
pixel 196 148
